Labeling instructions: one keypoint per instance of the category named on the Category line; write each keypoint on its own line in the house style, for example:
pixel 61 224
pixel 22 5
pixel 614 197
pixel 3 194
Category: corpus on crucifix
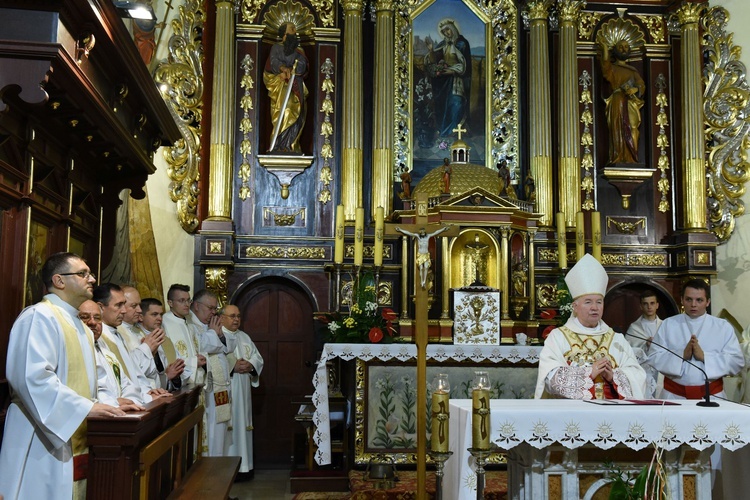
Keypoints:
pixel 423 250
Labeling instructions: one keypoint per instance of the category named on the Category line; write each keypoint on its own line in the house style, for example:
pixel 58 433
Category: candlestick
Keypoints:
pixel 440 413
pixel 359 235
pixel 580 236
pixel 338 254
pixel 480 418
pixel 596 235
pixel 562 256
pixel 379 226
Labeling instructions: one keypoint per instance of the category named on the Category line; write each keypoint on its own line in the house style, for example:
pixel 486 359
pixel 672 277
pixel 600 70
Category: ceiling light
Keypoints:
pixel 135 10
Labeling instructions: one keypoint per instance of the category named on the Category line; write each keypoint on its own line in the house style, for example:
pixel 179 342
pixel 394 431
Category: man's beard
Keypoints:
pixel 290 44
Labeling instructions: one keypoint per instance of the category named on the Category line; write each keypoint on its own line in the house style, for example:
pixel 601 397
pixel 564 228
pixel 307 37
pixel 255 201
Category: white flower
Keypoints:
pixel 333 326
pixel 371 307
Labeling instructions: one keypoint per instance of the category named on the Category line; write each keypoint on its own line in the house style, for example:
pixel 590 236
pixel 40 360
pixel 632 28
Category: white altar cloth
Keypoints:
pixel 573 424
pixel 400 352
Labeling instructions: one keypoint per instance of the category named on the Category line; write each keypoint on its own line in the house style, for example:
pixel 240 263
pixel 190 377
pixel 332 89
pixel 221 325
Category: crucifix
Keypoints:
pixel 422 231
pixel 459 130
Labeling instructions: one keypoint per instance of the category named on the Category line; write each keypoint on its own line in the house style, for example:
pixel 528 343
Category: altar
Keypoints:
pixel 557 449
pixel 526 357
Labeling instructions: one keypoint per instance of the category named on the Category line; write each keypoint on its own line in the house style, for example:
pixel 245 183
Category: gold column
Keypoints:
pixel 504 267
pixel 532 275
pixel 693 147
pixel 405 277
pixel 351 137
pixel 222 116
pixel 382 123
pixel 569 169
pixel 540 141
pixel 446 266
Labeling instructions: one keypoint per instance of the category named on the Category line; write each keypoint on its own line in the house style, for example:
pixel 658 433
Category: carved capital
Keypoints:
pixel 569 10
pixel 690 13
pixel 384 5
pixel 216 281
pixel 353 5
pixel 538 10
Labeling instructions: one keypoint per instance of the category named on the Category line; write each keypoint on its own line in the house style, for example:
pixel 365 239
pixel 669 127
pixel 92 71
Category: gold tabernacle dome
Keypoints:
pixel 465 177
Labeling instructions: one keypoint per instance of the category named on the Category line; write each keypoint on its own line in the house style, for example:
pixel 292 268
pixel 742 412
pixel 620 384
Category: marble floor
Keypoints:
pixel 266 485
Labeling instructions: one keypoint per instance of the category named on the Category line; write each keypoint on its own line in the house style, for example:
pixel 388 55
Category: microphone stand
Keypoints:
pixel 707 398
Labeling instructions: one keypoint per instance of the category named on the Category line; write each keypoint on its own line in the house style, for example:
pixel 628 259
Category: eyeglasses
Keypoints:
pixel 81 274
pixel 232 316
pixel 210 308
pixel 183 301
pixel 87 316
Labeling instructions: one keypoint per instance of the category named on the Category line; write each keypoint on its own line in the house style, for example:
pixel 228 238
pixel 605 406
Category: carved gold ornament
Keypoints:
pixel 634 259
pixel 662 141
pixel 726 110
pixel 289 12
pixel 587 21
pixel 546 295
pixel 246 125
pixel 280 252
pixel 616 30
pixel 587 141
pixel 626 227
pixel 216 281
pixel 656 25
pixel 180 79
pixel 326 130
pixel 249 10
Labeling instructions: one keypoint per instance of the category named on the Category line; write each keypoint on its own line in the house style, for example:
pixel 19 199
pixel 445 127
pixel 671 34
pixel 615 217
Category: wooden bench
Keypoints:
pixel 208 478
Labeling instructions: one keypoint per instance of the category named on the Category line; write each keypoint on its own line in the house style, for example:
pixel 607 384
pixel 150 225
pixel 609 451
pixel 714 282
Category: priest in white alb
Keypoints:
pixel 585 358
pixel 247 364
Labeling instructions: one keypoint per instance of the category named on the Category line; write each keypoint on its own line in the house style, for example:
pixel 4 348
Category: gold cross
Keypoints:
pixel 459 130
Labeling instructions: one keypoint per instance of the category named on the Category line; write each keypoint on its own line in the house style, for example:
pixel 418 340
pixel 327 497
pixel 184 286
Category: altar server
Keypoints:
pixel 640 334
pixel 585 358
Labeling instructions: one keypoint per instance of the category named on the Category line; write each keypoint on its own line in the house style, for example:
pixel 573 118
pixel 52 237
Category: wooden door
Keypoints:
pixel 278 316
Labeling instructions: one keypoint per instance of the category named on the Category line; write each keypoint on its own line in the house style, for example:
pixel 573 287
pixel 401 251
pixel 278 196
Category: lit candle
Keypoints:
pixel 562 257
pixel 440 414
pixel 379 216
pixel 359 235
pixel 480 418
pixel 580 236
pixel 596 235
pixel 338 254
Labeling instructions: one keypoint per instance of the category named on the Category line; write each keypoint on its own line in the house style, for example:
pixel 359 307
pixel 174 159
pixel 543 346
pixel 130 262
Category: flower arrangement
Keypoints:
pixel 564 307
pixel 365 321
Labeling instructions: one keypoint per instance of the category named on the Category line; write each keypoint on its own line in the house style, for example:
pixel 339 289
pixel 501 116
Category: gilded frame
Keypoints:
pixel 501 93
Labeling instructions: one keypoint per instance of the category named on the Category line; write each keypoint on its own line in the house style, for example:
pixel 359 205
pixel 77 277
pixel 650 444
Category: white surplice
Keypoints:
pixel 108 387
pixel 36 460
pixel 242 401
pixel 141 353
pixel 645 329
pixel 180 331
pixel 115 341
pixel 628 374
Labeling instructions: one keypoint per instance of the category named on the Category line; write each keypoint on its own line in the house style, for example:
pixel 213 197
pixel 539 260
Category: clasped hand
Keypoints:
pixel 603 367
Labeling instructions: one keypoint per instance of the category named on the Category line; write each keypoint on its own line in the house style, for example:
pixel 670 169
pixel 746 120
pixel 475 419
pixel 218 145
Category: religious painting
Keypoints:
pixel 455 78
pixel 386 421
pixel 476 317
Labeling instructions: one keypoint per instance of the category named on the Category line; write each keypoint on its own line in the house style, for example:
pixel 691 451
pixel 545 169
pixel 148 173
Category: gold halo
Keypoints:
pixel 288 12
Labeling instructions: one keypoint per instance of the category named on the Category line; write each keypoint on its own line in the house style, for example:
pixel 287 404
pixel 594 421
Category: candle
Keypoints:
pixel 596 235
pixel 480 418
pixel 359 235
pixel 561 246
pixel 378 257
pixel 580 236
pixel 338 254
pixel 440 416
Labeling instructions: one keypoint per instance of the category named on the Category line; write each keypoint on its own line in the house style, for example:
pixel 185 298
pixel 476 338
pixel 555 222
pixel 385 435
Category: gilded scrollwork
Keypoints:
pixel 634 259
pixel 249 10
pixel 368 251
pixel 546 295
pixel 180 79
pixel 502 57
pixel 587 21
pixel 216 281
pixel 626 227
pixel 662 141
pixel 326 130
pixel 656 25
pixel 587 141
pixel 284 252
pixel 246 125
pixel 726 111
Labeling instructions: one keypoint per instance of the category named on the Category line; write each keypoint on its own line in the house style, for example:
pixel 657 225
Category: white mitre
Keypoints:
pixel 587 277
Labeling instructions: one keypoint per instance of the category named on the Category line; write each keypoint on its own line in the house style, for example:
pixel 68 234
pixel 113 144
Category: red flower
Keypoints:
pixel 389 314
pixel 547 331
pixel 323 318
pixel 376 335
pixel 548 314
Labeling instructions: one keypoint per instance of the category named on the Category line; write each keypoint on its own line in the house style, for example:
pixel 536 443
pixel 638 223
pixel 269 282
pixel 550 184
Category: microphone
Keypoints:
pixel 707 398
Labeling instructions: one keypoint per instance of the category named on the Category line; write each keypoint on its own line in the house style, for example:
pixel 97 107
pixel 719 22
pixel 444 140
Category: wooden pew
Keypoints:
pixel 152 454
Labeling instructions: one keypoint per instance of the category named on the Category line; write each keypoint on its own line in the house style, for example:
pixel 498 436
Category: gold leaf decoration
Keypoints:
pixel 662 141
pixel 288 12
pixel 180 79
pixel 726 111
pixel 326 130
pixel 246 125
pixel 587 160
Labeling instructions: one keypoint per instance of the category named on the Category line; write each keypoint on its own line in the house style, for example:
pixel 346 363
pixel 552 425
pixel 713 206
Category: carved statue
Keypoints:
pixel 447 171
pixel 623 106
pixel 503 173
pixel 423 250
pixel 405 193
pixel 529 188
pixel 287 65
pixel 475 262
